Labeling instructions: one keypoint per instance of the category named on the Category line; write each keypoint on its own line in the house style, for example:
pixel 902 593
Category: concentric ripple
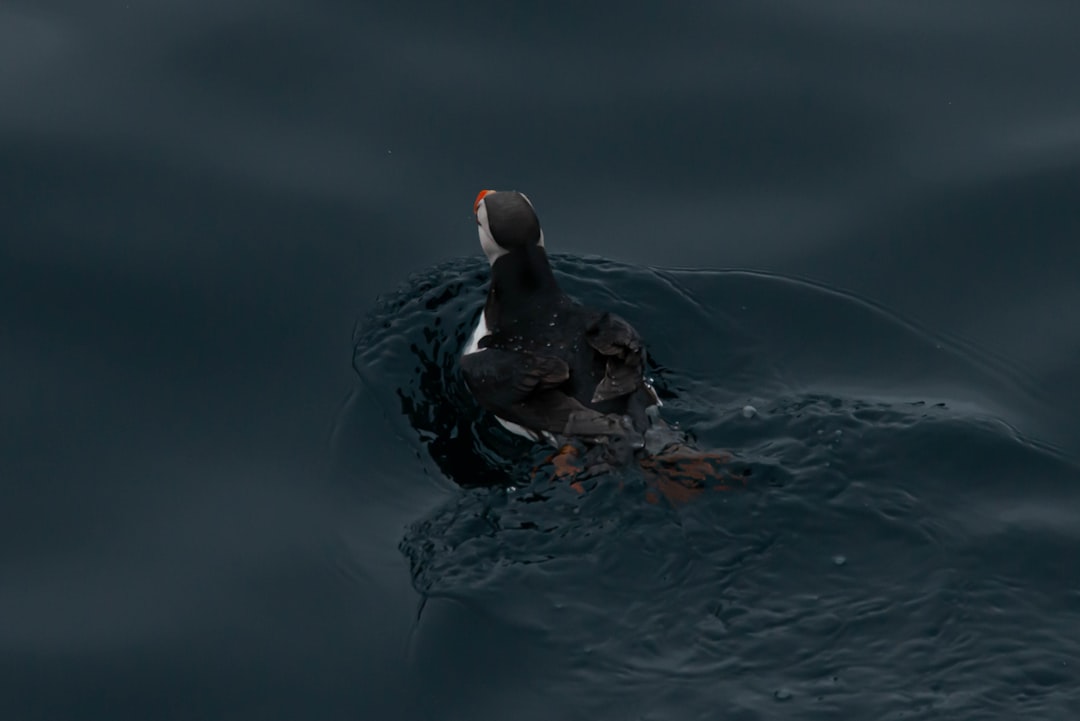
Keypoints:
pixel 848 576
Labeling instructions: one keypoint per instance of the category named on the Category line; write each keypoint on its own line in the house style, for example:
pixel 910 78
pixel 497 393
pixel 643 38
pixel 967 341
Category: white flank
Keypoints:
pixel 479 332
pixel 473 346
pixel 516 429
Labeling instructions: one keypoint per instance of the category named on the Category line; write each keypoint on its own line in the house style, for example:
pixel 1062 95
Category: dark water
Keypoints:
pixel 860 218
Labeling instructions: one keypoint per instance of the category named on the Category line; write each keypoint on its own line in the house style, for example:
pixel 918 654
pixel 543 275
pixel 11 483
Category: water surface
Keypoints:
pixel 862 215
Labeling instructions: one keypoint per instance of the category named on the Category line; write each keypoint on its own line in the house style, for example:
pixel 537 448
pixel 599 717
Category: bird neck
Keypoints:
pixel 520 280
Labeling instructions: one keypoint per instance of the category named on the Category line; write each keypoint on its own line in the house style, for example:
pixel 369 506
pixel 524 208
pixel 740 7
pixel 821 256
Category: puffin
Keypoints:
pixel 547 367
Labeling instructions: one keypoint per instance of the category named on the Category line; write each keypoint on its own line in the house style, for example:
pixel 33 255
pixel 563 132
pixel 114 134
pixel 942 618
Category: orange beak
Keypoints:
pixel 476 203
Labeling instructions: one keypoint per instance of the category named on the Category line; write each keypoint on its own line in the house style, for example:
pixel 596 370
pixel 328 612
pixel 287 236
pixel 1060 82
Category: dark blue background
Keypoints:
pixel 199 200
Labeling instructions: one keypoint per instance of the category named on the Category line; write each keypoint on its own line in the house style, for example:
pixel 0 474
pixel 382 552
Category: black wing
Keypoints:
pixel 502 377
pixel 525 389
pixel 620 344
pixel 520 387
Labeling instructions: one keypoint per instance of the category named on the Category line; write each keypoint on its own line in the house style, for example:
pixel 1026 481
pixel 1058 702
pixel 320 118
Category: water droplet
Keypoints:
pixel 551 324
pixel 749 411
pixel 839 559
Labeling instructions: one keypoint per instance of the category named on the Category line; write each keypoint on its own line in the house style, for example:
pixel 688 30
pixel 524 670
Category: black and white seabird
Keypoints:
pixel 547 367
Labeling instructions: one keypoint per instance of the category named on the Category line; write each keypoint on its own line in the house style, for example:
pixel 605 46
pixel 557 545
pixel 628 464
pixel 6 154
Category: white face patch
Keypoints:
pixel 492 250
pixel 541 243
